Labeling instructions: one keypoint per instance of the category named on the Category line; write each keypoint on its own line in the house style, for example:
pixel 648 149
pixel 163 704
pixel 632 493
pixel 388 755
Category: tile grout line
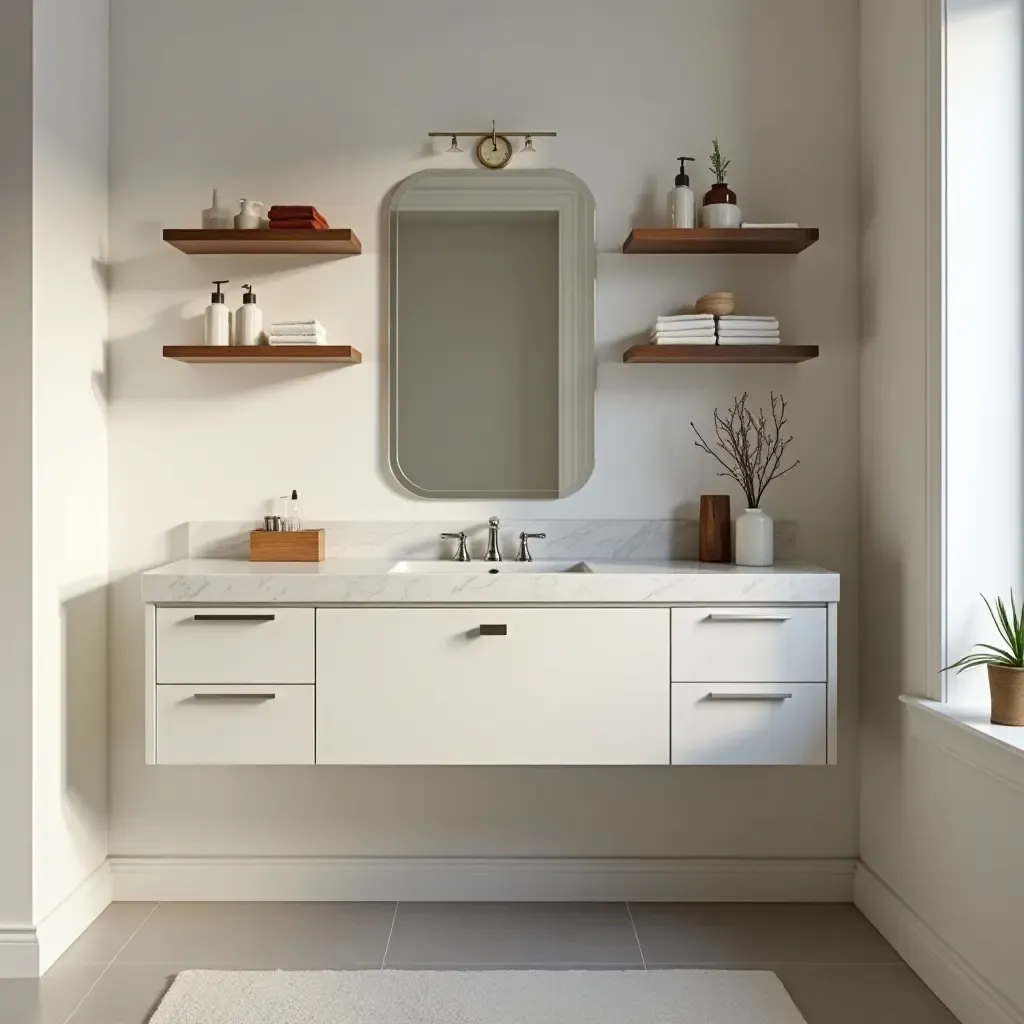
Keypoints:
pixel 629 910
pixel 110 964
pixel 391 931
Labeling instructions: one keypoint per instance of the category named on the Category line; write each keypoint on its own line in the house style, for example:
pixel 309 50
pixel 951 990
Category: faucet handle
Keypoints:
pixel 524 545
pixel 462 554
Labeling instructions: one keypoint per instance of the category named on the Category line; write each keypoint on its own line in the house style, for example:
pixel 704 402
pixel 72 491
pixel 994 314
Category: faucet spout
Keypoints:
pixel 493 551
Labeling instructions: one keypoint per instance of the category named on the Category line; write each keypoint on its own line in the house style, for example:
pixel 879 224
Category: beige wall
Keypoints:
pixel 941 832
pixel 69 384
pixel 193 443
pixel 16 464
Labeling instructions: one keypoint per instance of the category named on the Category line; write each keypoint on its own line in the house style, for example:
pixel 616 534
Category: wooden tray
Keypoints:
pixel 285 546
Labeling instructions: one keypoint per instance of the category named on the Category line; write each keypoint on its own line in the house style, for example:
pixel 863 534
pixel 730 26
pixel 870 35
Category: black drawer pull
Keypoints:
pixel 234 696
pixel 234 617
pixel 494 629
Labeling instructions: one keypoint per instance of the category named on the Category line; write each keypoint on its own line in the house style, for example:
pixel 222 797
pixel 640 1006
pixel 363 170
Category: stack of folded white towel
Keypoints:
pixel 685 329
pixel 297 332
pixel 748 330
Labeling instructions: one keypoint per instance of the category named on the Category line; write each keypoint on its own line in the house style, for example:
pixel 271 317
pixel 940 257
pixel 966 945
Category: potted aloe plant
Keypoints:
pixel 1005 664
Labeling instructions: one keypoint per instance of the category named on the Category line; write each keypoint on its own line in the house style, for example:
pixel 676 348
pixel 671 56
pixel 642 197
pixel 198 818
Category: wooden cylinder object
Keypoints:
pixel 715 529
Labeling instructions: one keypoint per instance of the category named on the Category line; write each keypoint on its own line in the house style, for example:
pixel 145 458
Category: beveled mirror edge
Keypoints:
pixel 574 202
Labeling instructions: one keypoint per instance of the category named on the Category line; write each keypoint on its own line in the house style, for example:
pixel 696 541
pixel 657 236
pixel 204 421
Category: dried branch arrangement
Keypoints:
pixel 754 447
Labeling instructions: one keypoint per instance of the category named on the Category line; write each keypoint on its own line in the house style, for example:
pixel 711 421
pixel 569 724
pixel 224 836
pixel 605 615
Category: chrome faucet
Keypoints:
pixel 493 551
pixel 524 545
pixel 462 553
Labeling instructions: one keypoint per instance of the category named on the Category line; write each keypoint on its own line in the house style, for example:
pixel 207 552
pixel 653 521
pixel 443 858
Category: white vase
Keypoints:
pixel 721 215
pixel 754 538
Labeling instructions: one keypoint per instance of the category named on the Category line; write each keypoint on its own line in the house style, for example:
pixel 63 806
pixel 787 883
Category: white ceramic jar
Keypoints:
pixel 755 538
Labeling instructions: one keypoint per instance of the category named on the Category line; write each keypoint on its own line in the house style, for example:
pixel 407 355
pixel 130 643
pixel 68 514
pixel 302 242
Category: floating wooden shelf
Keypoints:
pixel 719 240
pixel 200 242
pixel 720 353
pixel 263 353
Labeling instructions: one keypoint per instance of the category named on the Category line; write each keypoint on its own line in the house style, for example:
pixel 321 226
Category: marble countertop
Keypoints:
pixel 383 581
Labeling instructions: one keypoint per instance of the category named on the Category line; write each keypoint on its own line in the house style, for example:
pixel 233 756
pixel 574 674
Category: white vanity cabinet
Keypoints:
pixel 613 666
pixel 492 686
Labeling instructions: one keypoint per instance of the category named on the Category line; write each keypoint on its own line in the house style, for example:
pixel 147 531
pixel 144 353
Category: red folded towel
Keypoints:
pixel 296 213
pixel 301 225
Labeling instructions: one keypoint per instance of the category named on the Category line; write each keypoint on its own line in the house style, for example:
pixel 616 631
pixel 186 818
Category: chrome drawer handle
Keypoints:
pixel 494 629
pixel 746 617
pixel 234 696
pixel 233 617
pixel 750 696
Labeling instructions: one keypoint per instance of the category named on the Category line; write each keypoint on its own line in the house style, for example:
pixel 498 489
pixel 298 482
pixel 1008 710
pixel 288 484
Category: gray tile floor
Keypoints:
pixel 837 968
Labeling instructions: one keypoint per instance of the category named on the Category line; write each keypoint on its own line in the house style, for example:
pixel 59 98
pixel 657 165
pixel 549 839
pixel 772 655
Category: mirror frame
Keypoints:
pixel 532 190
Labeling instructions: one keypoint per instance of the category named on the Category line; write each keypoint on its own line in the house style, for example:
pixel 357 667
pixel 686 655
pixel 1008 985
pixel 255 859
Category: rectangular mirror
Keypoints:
pixel 492 334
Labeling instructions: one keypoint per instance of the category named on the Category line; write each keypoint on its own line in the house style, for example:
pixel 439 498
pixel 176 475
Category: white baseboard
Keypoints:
pixel 482 878
pixel 19 953
pixel 29 952
pixel 969 996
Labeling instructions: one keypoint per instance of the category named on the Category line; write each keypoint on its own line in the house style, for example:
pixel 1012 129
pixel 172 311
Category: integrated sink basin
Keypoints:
pixel 432 568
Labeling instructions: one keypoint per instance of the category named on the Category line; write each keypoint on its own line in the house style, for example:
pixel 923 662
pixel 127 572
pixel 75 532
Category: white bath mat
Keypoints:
pixel 477 997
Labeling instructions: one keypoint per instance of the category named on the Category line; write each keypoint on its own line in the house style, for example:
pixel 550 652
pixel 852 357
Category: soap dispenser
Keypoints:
pixel 218 319
pixel 248 320
pixel 681 204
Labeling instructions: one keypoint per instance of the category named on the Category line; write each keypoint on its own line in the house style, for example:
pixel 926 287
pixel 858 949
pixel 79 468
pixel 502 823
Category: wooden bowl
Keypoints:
pixel 718 303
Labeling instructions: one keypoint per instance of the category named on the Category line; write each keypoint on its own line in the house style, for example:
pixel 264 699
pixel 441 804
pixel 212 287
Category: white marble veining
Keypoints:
pixel 639 540
pixel 373 581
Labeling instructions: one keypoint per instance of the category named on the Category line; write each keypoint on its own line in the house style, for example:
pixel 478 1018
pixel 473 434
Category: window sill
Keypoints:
pixel 967 734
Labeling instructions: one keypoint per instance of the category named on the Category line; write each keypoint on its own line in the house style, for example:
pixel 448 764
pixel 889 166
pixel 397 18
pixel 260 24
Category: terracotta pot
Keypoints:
pixel 719 193
pixel 1007 688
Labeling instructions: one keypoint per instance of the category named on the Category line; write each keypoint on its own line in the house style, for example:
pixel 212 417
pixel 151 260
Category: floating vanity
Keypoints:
pixel 419 662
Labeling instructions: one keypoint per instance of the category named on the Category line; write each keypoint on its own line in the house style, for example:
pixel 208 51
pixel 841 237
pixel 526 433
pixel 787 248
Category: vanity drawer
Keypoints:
pixel 235 645
pixel 760 723
pixel 235 724
pixel 764 644
pixel 492 686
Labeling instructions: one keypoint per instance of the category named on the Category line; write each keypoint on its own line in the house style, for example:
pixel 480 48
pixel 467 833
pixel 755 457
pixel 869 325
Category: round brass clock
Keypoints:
pixel 494 152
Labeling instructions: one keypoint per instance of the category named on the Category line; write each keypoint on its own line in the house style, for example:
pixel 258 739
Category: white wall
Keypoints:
pixel 69 208
pixel 16 463
pixel 943 834
pixel 340 122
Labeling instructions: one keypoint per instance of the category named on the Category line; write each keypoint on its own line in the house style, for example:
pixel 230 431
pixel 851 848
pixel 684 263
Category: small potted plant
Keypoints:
pixel 753 450
pixel 720 209
pixel 1005 664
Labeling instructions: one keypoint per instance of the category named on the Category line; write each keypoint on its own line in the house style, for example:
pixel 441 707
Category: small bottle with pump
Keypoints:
pixel 681 205
pixel 218 319
pixel 293 515
pixel 248 320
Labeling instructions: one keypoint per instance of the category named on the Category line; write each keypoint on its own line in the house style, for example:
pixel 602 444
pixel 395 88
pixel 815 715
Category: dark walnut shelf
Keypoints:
pixel 336 354
pixel 719 240
pixel 201 242
pixel 720 354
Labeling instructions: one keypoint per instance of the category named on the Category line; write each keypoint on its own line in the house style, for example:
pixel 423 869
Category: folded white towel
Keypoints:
pixel 296 339
pixel 756 320
pixel 296 323
pixel 777 224
pixel 308 327
pixel 751 329
pixel 740 335
pixel 662 329
pixel 686 318
pixel 683 335
pixel 677 339
pixel 751 339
